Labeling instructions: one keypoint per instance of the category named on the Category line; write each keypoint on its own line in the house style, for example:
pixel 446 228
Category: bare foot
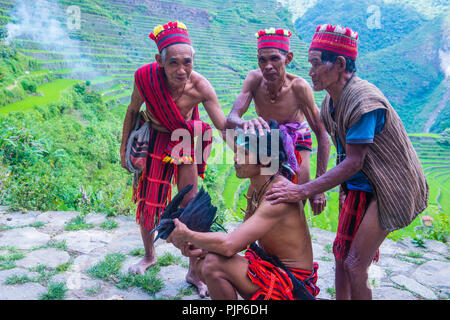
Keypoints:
pixel 202 288
pixel 142 266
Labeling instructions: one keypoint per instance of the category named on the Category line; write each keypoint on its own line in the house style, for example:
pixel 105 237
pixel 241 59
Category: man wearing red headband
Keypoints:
pixel 288 99
pixel 383 187
pixel 172 91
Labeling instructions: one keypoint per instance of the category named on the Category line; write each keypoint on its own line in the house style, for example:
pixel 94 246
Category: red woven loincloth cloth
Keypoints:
pixel 274 282
pixel 154 186
pixel 350 217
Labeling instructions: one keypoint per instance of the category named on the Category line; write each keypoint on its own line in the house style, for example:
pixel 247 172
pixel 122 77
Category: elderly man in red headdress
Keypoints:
pixel 383 187
pixel 288 99
pixel 171 90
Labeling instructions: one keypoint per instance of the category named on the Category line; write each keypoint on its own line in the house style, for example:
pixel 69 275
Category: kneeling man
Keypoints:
pixel 281 266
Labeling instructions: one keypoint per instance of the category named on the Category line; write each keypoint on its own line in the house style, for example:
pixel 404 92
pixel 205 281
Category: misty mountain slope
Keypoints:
pixel 403 49
pixel 413 82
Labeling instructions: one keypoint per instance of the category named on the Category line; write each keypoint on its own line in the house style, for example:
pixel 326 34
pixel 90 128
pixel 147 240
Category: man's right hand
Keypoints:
pixel 342 198
pixel 255 124
pixel 123 154
pixel 129 122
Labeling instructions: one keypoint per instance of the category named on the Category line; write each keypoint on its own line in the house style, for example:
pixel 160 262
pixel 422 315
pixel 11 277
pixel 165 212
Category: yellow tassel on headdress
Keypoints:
pixel 181 25
pixel 157 30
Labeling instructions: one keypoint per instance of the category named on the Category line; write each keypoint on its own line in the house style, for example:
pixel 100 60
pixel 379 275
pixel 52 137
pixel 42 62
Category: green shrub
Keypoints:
pixel 64 156
pixel 29 85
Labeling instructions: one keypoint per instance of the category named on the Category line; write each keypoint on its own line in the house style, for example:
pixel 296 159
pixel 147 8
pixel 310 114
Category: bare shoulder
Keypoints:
pixel 254 77
pixel 279 210
pixel 300 84
pixel 201 84
pixel 198 80
pixel 303 91
pixel 255 74
pixel 275 211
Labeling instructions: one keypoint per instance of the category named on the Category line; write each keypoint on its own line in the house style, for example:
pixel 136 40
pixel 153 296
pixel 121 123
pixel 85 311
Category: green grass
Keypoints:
pixel 16 279
pixel 78 223
pixel 94 290
pixel 7 260
pixel 168 259
pixel 109 224
pixel 49 92
pixel 109 270
pixel 138 252
pixel 231 185
pixel 56 291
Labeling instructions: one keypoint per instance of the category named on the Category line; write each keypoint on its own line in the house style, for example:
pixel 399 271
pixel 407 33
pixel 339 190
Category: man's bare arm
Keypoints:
pixel 288 192
pixel 254 228
pixel 305 95
pixel 130 120
pixel 241 104
pixel 211 104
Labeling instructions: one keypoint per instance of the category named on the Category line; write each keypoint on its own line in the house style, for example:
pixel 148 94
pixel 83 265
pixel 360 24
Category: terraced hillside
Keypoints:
pixel 434 153
pixel 113 42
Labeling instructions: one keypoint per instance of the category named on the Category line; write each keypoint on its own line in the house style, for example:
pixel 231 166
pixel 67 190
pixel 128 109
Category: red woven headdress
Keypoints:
pixel 271 38
pixel 171 33
pixel 336 39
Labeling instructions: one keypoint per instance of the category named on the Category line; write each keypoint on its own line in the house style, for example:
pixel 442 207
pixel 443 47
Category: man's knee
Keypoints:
pixel 354 267
pixel 211 267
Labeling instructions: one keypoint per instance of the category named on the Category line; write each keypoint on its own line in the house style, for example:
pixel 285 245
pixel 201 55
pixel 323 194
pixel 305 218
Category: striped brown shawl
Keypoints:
pixel 391 165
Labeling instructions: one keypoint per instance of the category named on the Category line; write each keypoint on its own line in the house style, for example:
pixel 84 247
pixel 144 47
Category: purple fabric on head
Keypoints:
pixel 292 132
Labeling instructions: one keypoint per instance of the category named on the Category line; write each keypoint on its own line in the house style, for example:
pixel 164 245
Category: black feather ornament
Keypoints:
pixel 199 215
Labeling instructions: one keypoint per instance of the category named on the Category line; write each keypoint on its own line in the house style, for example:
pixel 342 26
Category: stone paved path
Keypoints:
pixel 37 252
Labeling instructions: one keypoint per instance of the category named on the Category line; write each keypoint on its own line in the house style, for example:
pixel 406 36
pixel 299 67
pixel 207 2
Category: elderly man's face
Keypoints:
pixel 322 74
pixel 272 63
pixel 178 64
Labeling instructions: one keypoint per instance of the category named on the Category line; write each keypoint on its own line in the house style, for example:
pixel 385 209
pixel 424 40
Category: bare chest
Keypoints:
pixel 186 102
pixel 285 107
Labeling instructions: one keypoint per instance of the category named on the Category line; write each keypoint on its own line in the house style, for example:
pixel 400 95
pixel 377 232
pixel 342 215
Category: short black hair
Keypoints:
pixel 264 150
pixel 350 65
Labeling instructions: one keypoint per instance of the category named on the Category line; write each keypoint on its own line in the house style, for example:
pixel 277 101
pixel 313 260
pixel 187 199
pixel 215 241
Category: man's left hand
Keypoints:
pixel 178 235
pixel 285 191
pixel 318 203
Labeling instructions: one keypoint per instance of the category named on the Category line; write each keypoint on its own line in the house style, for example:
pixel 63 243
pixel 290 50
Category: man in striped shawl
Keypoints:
pixel 172 91
pixel 383 187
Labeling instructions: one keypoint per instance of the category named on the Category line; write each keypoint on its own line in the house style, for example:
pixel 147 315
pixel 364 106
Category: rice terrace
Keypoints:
pixel 67 72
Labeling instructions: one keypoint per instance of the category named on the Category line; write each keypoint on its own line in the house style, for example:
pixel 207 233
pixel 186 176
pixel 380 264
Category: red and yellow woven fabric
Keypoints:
pixel 154 188
pixel 171 33
pixel 271 38
pixel 335 39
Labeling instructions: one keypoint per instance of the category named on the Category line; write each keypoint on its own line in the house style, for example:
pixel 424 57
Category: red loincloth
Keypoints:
pixel 274 282
pixel 154 186
pixel 350 217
